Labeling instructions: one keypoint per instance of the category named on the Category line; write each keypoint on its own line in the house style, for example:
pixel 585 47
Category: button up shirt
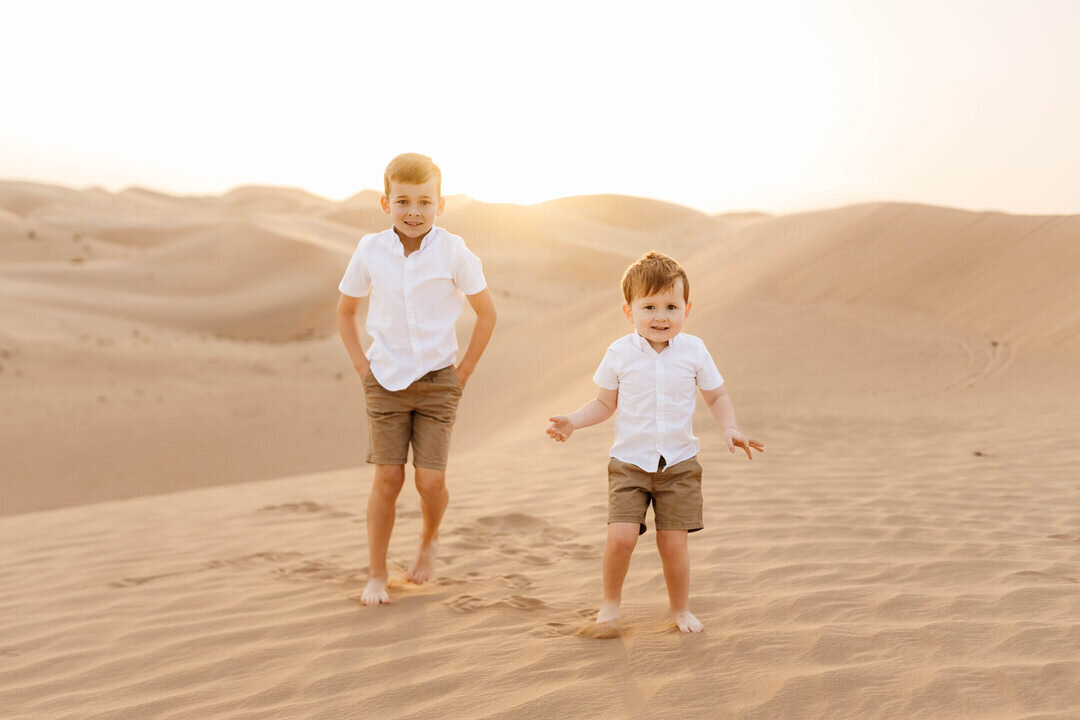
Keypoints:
pixel 657 397
pixel 415 301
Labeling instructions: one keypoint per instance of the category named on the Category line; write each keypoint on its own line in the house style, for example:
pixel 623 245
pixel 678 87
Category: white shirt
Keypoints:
pixel 415 301
pixel 657 397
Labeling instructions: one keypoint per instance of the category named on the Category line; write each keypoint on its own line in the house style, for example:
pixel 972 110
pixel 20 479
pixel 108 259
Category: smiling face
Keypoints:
pixel 659 317
pixel 413 207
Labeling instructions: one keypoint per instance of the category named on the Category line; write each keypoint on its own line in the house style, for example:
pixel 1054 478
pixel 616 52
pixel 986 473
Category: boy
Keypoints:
pixel 650 376
pixel 416 274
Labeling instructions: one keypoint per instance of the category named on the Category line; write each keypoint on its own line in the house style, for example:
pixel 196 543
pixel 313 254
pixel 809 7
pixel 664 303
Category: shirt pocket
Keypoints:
pixel 681 395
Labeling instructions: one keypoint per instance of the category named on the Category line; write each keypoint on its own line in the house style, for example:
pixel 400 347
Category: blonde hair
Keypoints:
pixel 653 273
pixel 414 169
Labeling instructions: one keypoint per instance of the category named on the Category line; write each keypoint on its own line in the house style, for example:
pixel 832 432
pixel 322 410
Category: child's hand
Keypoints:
pixel 735 439
pixel 561 428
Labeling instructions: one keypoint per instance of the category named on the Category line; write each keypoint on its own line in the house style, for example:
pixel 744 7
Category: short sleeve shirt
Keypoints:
pixel 657 397
pixel 415 301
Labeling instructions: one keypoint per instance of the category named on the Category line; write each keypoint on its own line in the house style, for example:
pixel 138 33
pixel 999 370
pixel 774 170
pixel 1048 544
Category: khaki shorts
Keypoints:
pixel 421 414
pixel 674 493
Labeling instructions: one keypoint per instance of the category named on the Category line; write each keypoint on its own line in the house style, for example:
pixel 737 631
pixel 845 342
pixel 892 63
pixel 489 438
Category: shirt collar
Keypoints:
pixel 430 237
pixel 644 345
pixel 394 241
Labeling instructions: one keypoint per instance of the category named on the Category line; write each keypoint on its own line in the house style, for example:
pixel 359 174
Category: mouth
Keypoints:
pixel 657 328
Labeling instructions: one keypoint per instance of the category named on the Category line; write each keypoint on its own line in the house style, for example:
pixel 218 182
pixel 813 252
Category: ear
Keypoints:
pixel 688 306
pixel 384 203
pixel 627 312
pixel 442 205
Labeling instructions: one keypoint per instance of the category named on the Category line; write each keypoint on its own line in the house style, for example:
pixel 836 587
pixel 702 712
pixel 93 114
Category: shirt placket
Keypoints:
pixel 661 404
pixel 410 308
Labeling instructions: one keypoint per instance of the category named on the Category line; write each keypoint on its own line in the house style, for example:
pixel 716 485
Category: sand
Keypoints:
pixel 183 487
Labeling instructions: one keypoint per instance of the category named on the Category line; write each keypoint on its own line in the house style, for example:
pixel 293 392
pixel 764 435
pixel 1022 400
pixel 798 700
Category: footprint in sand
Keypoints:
pixel 572 625
pixel 554 533
pixel 528 539
pixel 516 581
pixel 471 603
pixel 321 570
pixel 555 629
pixel 465 603
pixel 243 561
pixel 578 551
pixel 521 602
pixel 306 507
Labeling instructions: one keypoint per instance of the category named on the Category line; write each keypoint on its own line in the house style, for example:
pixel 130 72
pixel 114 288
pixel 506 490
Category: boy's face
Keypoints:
pixel 659 317
pixel 413 207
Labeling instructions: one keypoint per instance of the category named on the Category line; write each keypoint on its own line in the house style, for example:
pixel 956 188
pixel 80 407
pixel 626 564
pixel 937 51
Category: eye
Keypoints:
pixel 672 307
pixel 648 307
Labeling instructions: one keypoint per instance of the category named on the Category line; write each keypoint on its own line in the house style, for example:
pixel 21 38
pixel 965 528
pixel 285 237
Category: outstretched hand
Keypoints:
pixel 736 439
pixel 561 428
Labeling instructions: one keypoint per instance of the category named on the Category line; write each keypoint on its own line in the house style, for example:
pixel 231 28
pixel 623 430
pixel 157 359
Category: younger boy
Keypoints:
pixel 651 376
pixel 416 274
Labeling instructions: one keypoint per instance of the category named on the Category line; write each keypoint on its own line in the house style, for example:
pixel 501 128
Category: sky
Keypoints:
pixel 767 105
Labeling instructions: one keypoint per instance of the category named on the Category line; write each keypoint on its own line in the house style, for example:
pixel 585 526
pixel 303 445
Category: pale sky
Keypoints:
pixel 778 106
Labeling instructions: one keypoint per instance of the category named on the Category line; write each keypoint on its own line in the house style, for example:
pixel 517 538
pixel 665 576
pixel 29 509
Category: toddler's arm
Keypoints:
pixel 593 412
pixel 721 408
pixel 349 329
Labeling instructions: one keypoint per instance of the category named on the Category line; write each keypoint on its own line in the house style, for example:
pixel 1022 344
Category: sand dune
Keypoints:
pixel 1009 277
pixel 908 547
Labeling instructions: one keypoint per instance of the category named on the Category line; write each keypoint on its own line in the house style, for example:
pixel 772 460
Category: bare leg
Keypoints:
pixel 381 511
pixel 434 497
pixel 675 555
pixel 621 540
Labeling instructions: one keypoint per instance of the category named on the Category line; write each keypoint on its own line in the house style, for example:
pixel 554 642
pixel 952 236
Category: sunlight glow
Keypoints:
pixel 723 105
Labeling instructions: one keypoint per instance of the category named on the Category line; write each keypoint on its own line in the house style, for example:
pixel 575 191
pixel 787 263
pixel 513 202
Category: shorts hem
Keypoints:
pixel 383 461
pixel 688 526
pixel 429 465
pixel 632 521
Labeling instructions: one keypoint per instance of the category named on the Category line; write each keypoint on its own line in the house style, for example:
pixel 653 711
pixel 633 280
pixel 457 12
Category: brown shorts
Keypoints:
pixel 674 493
pixel 421 414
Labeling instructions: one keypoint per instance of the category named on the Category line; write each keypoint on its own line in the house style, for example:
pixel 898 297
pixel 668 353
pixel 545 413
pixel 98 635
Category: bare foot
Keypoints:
pixel 375 592
pixel 608 611
pixel 424 567
pixel 606 625
pixel 687 622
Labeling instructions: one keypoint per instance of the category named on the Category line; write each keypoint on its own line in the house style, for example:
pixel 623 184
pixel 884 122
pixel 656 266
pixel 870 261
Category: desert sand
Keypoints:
pixel 182 484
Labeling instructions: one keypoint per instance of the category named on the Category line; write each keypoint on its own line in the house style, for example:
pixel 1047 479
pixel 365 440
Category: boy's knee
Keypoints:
pixel 389 479
pixel 429 481
pixel 622 542
pixel 671 542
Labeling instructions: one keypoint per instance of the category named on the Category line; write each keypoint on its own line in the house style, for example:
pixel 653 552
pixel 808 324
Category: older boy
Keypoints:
pixel 416 274
pixel 651 376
